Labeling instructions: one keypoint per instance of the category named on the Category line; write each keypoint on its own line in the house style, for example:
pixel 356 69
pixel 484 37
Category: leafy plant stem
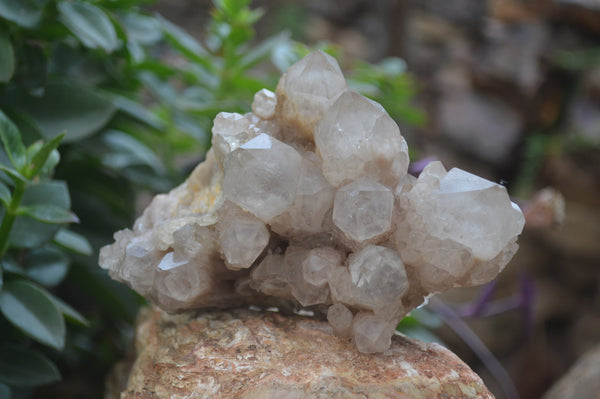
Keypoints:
pixel 10 215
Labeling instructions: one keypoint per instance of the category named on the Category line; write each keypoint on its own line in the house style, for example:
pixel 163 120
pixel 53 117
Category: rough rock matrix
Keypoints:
pixel 307 201
pixel 260 355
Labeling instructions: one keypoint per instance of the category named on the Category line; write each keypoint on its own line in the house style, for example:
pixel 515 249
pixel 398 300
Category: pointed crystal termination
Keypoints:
pixel 308 272
pixel 261 176
pixel 264 104
pixel 357 138
pixel 340 318
pixel 363 210
pixel 371 333
pixel 241 236
pixel 304 91
pixel 455 224
pixel 306 202
pixel 313 200
pixel 375 279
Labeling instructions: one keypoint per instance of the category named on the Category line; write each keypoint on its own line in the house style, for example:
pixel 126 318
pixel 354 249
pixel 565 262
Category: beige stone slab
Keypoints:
pixel 247 354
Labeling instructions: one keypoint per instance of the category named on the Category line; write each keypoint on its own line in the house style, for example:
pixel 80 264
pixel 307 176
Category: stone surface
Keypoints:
pixel 245 354
pixel 306 203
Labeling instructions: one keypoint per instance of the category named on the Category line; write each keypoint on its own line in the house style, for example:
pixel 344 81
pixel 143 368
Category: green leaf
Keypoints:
pixel 138 111
pixel 47 266
pixel 141 28
pixel 5 195
pixel 41 156
pixel 7 56
pixel 47 213
pixel 90 24
pixel 10 265
pixel 29 233
pixel 30 309
pixel 263 51
pixel 185 43
pixel 77 110
pixel 16 176
pixel 74 242
pixel 11 139
pixel 26 13
pixel 25 367
pixel 70 314
pixel 128 151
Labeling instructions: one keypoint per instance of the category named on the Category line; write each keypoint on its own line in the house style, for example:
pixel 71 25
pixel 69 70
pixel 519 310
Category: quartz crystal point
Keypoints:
pixel 356 138
pixel 305 202
pixel 363 210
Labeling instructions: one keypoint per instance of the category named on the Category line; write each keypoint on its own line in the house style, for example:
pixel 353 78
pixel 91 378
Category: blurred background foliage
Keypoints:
pixel 130 97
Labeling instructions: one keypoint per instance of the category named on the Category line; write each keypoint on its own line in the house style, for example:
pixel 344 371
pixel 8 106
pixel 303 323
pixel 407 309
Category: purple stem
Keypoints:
pixel 480 304
pixel 526 304
pixel 477 346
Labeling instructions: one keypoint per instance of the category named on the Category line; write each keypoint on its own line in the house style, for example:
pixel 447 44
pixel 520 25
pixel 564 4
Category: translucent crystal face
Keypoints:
pixel 313 199
pixel 242 239
pixel 261 176
pixel 264 104
pixel 371 333
pixel 357 138
pixel 363 209
pixel 180 281
pixel 305 90
pixel 486 227
pixel 306 202
pixel 374 279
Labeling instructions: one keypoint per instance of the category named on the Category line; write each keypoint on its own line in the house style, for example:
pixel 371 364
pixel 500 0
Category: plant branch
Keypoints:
pixel 10 215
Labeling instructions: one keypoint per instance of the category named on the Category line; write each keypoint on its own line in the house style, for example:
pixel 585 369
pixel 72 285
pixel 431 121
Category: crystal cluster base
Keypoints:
pixel 307 201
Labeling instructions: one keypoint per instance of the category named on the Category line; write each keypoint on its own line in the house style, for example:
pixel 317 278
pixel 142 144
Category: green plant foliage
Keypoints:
pixel 90 24
pixel 34 208
pixel 7 56
pixel 30 309
pixel 24 368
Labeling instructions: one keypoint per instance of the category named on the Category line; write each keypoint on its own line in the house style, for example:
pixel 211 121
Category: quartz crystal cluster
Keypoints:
pixel 307 201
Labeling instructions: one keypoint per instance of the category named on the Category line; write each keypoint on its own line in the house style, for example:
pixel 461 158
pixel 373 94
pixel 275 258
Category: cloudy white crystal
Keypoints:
pixel 356 138
pixel 313 199
pixel 305 202
pixel 375 279
pixel 363 209
pixel 452 224
pixel 304 92
pixel 264 104
pixel 242 237
pixel 261 176
pixel 371 333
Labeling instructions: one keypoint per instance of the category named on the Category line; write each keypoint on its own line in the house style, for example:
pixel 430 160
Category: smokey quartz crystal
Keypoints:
pixel 306 202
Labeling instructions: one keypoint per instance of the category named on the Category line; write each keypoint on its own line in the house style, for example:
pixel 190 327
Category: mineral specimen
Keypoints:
pixel 306 202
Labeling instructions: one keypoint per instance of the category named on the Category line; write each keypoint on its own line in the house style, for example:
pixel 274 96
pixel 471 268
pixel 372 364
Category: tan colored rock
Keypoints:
pixel 247 354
